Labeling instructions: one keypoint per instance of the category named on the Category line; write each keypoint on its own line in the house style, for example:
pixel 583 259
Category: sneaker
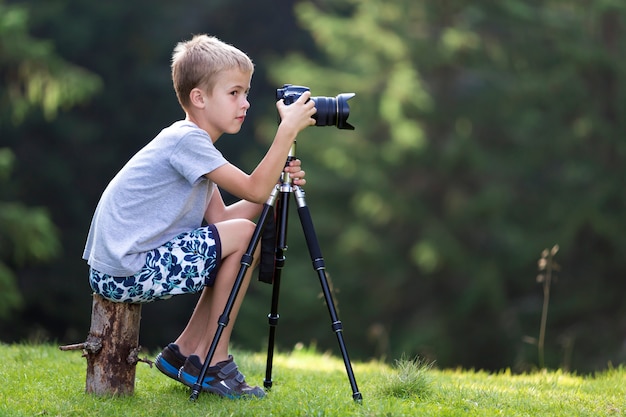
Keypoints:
pixel 223 379
pixel 170 360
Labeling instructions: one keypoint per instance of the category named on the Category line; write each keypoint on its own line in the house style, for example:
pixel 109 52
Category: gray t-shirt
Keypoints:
pixel 160 193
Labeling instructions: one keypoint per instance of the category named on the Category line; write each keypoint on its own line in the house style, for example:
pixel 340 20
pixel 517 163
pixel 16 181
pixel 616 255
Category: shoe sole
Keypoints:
pixel 166 368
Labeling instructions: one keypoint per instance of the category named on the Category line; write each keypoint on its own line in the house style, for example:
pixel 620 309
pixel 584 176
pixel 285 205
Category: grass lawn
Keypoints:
pixel 41 380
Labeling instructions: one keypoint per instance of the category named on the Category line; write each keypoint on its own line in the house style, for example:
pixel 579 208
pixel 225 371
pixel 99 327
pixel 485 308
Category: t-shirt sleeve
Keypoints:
pixel 195 155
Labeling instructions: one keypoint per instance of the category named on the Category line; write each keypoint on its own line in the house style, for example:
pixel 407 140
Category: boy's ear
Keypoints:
pixel 196 97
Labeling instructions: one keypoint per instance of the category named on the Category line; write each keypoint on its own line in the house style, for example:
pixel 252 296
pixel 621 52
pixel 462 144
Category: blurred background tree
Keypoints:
pixel 485 132
pixel 34 77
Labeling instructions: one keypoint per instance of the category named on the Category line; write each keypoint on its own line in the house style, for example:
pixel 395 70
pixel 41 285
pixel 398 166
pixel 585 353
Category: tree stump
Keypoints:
pixel 111 348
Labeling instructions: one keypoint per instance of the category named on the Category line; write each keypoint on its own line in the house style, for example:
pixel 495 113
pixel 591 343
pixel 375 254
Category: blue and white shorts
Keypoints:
pixel 184 265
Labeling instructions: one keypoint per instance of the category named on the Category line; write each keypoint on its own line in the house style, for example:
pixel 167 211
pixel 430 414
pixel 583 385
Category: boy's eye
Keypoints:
pixel 239 92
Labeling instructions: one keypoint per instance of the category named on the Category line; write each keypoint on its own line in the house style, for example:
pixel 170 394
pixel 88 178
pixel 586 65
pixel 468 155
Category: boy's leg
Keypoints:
pixel 198 335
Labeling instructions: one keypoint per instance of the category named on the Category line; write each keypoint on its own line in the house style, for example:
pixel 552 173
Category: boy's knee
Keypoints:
pixel 235 234
pixel 247 228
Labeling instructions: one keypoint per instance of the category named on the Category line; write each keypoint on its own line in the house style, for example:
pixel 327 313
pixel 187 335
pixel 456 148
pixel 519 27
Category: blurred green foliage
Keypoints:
pixel 34 77
pixel 485 132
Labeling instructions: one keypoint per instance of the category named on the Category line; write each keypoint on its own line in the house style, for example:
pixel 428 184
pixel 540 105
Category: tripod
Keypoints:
pixel 279 198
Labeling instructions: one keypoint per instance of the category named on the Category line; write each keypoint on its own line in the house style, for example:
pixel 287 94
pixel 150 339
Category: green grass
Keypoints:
pixel 41 380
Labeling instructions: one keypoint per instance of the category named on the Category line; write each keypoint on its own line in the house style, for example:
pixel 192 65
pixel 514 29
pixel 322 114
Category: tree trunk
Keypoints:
pixel 115 327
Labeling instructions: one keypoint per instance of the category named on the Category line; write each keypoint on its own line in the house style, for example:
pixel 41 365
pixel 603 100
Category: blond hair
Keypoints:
pixel 196 62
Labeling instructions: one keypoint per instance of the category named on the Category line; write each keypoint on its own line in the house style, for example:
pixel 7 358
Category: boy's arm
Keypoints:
pixel 218 211
pixel 257 186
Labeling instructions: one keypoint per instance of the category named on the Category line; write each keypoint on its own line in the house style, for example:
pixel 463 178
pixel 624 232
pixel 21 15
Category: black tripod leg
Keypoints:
pixel 282 207
pixel 246 262
pixel 320 267
pixel 273 320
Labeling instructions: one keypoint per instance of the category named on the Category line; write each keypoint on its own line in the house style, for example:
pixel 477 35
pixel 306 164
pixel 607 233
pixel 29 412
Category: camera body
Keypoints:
pixel 290 93
pixel 331 111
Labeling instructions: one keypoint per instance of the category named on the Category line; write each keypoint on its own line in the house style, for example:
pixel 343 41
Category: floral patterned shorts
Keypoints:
pixel 185 264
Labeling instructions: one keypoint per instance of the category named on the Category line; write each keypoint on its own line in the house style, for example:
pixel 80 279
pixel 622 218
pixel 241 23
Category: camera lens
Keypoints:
pixel 333 111
pixel 326 114
pixel 329 111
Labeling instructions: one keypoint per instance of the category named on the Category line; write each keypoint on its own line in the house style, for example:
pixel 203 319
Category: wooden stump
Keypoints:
pixel 114 326
pixel 112 347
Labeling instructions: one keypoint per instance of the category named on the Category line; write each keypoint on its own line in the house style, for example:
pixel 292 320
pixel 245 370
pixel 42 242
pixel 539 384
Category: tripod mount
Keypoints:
pixel 278 202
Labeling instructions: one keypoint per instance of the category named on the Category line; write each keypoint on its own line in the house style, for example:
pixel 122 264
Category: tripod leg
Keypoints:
pixel 320 267
pixel 246 262
pixel 282 207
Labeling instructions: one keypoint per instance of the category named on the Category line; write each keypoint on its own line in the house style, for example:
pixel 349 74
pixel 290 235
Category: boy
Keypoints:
pixel 147 240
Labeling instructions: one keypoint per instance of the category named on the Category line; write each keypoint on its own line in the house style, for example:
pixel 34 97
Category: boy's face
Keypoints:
pixel 227 103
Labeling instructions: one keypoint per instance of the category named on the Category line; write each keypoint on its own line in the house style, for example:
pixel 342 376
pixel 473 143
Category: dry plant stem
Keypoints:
pixel 547 264
pixel 544 315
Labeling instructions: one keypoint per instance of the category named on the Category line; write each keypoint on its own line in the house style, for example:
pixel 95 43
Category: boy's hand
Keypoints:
pixel 295 172
pixel 298 114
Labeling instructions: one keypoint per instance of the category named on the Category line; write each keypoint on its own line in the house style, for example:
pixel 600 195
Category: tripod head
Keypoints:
pixel 285 179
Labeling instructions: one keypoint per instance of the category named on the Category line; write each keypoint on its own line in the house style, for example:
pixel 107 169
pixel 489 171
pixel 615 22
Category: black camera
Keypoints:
pixel 331 111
